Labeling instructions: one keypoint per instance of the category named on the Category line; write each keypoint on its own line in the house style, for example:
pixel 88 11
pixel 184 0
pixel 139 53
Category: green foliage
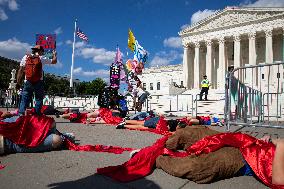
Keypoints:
pixel 94 87
pixel 6 66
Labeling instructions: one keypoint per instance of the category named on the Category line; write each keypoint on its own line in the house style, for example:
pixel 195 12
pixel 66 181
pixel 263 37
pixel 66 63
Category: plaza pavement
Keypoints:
pixel 68 169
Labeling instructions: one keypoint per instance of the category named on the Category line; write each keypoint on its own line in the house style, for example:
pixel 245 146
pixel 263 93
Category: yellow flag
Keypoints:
pixel 131 40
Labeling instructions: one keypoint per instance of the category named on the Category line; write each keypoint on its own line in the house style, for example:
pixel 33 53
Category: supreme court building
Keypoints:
pixel 231 38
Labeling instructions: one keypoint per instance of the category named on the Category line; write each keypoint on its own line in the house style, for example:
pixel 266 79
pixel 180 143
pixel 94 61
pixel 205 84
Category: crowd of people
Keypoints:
pixel 207 155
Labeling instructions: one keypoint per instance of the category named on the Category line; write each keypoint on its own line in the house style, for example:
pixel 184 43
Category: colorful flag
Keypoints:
pixel 131 40
pixel 118 56
pixel 140 54
pixel 81 34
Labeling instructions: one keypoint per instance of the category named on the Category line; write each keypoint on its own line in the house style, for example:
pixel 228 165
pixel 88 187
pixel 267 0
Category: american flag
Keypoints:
pixel 81 35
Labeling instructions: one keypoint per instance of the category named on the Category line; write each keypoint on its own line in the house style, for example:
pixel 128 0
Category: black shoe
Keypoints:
pixel 120 126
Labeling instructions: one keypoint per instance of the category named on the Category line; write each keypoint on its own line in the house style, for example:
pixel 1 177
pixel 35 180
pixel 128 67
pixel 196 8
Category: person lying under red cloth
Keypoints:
pixel 265 159
pixel 34 133
pixel 102 115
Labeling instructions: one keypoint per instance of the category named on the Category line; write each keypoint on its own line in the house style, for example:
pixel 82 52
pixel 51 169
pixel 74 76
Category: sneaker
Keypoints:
pixel 133 153
pixel 121 125
pixel 69 136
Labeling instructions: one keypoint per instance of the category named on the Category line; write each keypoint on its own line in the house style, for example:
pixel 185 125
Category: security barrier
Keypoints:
pixel 254 96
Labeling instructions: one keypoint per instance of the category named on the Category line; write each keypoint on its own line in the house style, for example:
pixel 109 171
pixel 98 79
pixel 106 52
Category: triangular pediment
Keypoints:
pixel 233 17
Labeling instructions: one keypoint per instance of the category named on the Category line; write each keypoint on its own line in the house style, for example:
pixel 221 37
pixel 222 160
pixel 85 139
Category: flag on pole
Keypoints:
pixel 131 40
pixel 81 34
pixel 140 54
pixel 118 55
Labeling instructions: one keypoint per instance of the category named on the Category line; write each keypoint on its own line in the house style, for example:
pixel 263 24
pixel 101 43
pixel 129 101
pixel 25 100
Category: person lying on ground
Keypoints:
pixel 209 156
pixel 153 122
pixel 53 140
pixel 79 117
pixel 223 163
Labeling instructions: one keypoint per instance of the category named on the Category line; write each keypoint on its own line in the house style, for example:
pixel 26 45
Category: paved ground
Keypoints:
pixel 68 169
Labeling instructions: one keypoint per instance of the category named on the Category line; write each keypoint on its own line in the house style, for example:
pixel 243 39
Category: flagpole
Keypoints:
pixel 72 65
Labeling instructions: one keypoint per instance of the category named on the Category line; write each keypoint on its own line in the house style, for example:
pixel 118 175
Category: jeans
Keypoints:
pixel 139 116
pixel 29 88
pixel 46 145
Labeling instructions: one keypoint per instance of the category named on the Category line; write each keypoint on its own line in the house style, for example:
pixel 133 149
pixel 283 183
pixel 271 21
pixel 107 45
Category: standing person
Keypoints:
pixel 31 66
pixel 142 97
pixel 205 87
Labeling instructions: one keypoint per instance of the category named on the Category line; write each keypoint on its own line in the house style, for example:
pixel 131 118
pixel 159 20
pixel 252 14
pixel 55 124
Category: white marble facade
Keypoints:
pixel 157 80
pixel 233 37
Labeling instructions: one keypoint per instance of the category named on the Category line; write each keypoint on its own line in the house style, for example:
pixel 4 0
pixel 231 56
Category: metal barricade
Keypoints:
pixel 254 96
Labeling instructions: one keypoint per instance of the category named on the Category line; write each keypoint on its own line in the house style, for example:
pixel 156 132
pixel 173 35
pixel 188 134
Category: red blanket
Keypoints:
pixel 257 153
pixel 27 130
pixel 31 131
pixel 106 115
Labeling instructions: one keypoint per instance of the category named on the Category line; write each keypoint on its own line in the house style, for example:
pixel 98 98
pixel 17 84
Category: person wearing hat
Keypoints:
pixel 204 87
pixel 31 71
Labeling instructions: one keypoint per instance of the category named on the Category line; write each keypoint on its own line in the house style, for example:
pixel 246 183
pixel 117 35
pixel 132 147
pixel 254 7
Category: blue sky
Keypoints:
pixel 155 24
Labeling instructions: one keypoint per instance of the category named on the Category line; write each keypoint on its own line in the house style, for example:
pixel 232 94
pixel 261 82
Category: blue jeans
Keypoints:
pixel 27 93
pixel 45 146
pixel 139 116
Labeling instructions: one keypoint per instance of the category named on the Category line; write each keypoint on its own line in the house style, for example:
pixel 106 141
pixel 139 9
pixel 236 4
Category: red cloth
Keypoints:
pixel 257 153
pixel 28 130
pixel 96 148
pixel 78 118
pixel 137 167
pixel 106 115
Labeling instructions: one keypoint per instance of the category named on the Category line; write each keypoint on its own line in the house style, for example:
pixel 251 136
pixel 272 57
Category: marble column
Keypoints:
pixel 209 60
pixel 252 56
pixel 268 73
pixel 268 47
pixel 221 75
pixel 237 51
pixel 283 44
pixel 196 66
pixel 185 66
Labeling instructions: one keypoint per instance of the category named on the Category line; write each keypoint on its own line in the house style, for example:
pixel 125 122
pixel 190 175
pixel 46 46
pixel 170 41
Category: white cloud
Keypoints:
pixel 263 3
pixel 98 55
pixel 104 74
pixel 165 58
pixel 58 31
pixel 3 15
pixel 200 15
pixel 59 64
pixel 13 5
pixel 14 49
pixel 174 42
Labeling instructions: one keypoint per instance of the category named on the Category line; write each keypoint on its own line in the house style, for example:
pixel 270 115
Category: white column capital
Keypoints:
pixel 221 39
pixel 197 44
pixel 237 38
pixel 268 33
pixel 252 35
pixel 208 42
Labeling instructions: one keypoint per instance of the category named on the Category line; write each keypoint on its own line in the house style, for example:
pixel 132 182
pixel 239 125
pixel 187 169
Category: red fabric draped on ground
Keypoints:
pixel 96 148
pixel 106 115
pixel 137 167
pixel 257 153
pixel 28 130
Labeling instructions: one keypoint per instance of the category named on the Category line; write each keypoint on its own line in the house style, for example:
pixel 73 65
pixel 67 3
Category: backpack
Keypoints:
pixel 33 68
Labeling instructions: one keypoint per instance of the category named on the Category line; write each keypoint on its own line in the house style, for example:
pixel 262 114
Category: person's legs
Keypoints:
pixel 26 96
pixel 134 122
pixel 93 114
pixel 278 163
pixel 201 93
pixel 65 116
pixel 39 94
pixel 206 92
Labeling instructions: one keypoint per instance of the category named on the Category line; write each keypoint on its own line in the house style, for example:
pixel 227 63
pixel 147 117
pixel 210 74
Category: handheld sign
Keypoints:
pixel 48 42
